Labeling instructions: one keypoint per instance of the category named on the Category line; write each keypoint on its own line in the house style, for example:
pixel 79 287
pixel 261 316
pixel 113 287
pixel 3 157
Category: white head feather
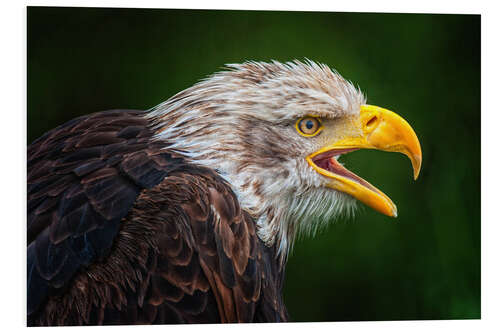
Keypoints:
pixel 241 122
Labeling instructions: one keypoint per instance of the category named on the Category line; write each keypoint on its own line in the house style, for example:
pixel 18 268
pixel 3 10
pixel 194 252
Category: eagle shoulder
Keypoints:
pixel 122 231
pixel 83 178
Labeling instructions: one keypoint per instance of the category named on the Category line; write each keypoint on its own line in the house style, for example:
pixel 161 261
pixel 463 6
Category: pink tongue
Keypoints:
pixel 336 168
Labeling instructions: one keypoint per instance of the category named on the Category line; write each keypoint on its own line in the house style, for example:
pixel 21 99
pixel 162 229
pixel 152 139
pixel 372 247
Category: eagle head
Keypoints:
pixel 275 132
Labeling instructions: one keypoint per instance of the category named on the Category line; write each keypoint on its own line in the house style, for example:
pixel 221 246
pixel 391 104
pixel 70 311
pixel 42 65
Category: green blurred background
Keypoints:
pixel 423 265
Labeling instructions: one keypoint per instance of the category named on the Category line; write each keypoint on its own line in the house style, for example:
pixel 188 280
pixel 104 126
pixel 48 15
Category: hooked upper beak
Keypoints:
pixel 380 129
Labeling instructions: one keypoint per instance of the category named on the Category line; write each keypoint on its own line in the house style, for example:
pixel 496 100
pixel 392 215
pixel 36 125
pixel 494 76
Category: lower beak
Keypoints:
pixel 381 129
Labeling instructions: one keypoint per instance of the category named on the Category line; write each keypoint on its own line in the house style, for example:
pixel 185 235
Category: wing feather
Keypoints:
pixel 83 178
pixel 122 231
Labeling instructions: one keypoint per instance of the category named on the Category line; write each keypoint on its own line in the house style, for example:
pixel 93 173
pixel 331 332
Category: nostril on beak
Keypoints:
pixel 371 122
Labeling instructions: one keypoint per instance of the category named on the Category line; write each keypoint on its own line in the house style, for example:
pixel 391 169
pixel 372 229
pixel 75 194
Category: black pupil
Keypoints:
pixel 309 124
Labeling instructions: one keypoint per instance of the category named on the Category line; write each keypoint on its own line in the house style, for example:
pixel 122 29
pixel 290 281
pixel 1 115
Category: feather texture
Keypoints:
pixel 121 231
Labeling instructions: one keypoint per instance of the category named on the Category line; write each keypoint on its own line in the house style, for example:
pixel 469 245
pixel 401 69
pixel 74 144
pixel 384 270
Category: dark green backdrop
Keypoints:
pixel 423 265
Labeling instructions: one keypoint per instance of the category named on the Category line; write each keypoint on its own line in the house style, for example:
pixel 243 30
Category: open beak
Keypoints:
pixel 381 129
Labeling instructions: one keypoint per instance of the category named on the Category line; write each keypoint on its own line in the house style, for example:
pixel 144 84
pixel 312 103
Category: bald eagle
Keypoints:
pixel 186 212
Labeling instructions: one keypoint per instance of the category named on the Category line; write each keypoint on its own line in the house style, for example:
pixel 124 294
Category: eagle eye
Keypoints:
pixel 308 126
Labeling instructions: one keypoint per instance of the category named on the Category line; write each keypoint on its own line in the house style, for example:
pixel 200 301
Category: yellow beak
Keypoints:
pixel 381 129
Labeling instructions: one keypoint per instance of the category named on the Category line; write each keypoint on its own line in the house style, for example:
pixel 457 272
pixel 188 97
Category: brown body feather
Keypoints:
pixel 121 231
